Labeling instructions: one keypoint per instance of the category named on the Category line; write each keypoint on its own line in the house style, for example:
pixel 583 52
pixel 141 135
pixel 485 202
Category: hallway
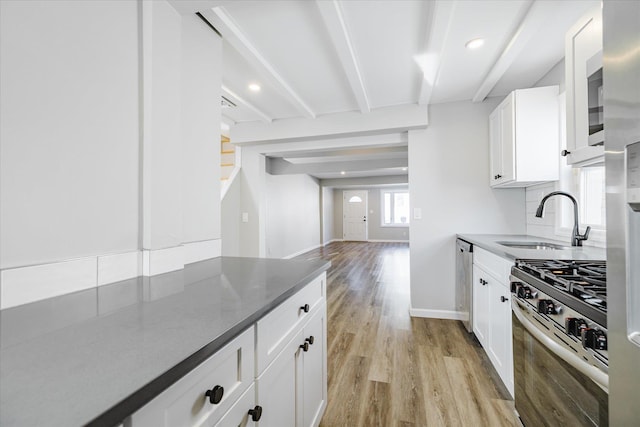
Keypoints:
pixel 388 369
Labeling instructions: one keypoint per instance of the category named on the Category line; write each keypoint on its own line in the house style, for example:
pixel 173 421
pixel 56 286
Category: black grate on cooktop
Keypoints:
pixel 585 280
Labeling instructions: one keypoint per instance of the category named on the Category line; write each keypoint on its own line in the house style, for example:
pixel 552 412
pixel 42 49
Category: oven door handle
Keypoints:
pixel 595 374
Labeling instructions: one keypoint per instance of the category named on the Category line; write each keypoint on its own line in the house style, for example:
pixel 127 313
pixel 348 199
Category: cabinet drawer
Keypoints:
pixel 275 329
pixel 498 267
pixel 238 414
pixel 185 403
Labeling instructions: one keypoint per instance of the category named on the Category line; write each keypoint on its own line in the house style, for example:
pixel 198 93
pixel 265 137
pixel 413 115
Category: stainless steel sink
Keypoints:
pixel 534 245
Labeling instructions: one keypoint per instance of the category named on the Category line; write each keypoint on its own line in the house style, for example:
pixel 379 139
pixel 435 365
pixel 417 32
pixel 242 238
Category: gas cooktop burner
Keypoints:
pixel 585 280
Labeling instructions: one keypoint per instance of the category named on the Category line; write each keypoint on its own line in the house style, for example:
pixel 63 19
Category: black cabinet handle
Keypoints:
pixel 503 299
pixel 483 282
pixel 565 153
pixel 310 340
pixel 305 346
pixel 305 308
pixel 215 394
pixel 256 413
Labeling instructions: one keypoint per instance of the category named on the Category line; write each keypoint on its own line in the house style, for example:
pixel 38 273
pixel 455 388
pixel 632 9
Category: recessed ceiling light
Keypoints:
pixel 254 87
pixel 342 172
pixel 474 44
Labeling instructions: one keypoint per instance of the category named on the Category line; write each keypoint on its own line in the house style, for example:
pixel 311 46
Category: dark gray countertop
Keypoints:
pixel 490 243
pixel 98 355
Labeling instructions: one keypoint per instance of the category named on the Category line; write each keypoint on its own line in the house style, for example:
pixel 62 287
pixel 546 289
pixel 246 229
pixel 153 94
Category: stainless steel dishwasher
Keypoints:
pixel 464 268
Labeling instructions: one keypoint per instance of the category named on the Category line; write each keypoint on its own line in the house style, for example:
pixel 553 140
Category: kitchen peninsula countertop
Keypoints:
pixel 97 356
pixel 490 243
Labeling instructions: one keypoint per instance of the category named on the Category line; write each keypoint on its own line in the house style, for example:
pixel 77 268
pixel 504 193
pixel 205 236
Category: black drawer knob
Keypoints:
pixel 215 394
pixel 256 413
pixel 305 346
pixel 305 308
pixel 565 153
pixel 503 299
pixel 310 340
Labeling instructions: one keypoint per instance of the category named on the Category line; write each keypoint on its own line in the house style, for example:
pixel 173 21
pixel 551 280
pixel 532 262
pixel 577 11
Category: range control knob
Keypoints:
pixel 594 338
pixel 526 292
pixel 546 306
pixel 574 326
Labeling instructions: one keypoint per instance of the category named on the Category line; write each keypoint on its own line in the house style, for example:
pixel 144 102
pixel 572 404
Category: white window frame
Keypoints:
pixel 564 208
pixel 382 193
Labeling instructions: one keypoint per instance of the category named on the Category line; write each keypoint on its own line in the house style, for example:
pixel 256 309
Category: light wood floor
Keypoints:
pixel 388 369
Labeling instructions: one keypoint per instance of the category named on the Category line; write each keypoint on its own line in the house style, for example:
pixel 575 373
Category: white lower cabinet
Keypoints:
pixel 492 311
pixel 314 370
pixel 273 374
pixel 238 415
pixel 202 397
pixel 293 389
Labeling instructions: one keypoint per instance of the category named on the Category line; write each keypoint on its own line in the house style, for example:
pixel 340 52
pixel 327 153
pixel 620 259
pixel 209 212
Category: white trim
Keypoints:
pixel 28 284
pixel 387 241
pixel 293 255
pixel 331 241
pixel 117 267
pixel 162 260
pixel 198 251
pixel 436 314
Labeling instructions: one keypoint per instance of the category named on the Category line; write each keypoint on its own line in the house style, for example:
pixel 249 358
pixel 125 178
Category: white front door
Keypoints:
pixel 354 215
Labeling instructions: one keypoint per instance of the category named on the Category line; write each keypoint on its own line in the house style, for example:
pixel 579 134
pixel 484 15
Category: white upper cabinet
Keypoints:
pixel 583 57
pixel 524 138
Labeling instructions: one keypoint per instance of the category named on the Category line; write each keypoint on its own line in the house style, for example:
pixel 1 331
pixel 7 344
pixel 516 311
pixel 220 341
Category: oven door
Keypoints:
pixel 552 386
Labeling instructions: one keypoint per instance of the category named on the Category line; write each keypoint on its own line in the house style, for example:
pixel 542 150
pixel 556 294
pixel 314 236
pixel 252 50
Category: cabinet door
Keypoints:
pixel 500 343
pixel 480 305
pixel 502 141
pixel 583 41
pixel 314 370
pixel 508 140
pixel 495 138
pixel 280 385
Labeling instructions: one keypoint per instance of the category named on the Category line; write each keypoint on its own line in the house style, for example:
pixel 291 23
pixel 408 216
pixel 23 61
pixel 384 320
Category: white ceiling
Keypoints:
pixel 313 58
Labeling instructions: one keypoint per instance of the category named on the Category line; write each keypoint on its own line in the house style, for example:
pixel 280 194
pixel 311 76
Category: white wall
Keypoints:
pixel 201 77
pixel 449 182
pixel 231 220
pixel 68 130
pixel 162 150
pixel 375 230
pixel 292 214
pixel 327 215
pixel 109 144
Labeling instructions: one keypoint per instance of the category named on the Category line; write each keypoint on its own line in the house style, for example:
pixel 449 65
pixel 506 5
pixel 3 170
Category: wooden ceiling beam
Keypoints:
pixel 534 18
pixel 333 17
pixel 233 34
pixel 238 99
pixel 441 17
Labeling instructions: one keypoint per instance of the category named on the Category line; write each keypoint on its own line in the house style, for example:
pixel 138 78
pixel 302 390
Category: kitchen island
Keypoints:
pixel 97 356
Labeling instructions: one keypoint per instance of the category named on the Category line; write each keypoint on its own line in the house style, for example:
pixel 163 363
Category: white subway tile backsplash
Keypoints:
pixel 28 284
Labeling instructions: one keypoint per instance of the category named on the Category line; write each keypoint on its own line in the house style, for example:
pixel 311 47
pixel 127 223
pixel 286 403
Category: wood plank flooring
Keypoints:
pixel 388 369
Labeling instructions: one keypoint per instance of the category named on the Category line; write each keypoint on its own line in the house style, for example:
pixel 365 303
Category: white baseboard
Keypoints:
pixel 331 241
pixel 436 314
pixel 161 261
pixel 301 252
pixel 28 284
pixel 387 241
pixel 22 285
pixel 198 251
pixel 118 267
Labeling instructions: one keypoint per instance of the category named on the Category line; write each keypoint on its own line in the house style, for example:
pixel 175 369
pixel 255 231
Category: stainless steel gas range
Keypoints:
pixel 560 342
